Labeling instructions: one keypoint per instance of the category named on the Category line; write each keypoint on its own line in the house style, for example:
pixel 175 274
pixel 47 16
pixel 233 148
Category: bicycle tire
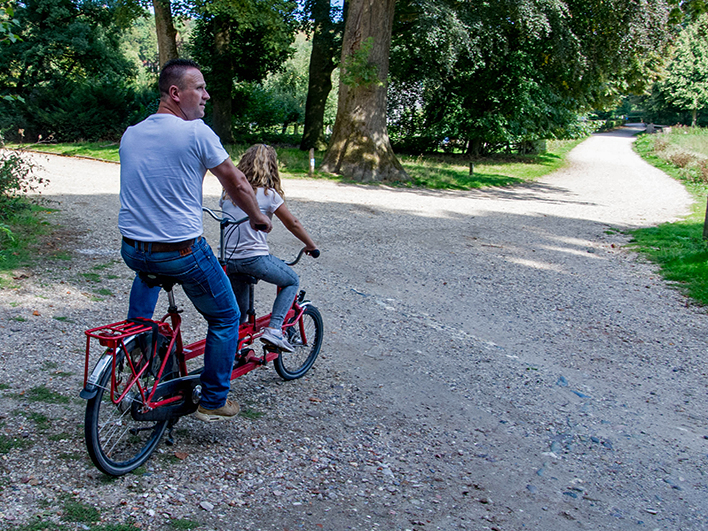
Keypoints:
pixel 292 365
pixel 116 443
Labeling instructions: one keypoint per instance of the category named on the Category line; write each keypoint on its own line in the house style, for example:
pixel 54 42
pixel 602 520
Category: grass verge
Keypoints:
pixel 677 248
pixel 106 151
pixel 23 228
pixel 430 171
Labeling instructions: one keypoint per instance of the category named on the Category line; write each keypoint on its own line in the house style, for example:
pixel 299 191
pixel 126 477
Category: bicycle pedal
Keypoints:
pixel 243 357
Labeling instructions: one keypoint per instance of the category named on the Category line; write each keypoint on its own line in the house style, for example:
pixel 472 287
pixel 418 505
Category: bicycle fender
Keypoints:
pixel 88 392
pixel 185 385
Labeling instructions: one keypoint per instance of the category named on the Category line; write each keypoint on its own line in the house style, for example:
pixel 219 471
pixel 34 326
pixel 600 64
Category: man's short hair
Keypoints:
pixel 172 73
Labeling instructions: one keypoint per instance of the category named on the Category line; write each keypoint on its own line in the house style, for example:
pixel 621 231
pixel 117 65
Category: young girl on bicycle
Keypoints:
pixel 247 250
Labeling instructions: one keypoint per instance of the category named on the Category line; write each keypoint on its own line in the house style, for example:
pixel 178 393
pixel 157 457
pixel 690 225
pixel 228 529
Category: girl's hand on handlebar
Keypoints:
pixel 314 252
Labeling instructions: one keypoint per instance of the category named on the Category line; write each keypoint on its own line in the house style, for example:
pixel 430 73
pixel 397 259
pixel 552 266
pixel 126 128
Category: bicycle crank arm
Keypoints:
pixel 189 387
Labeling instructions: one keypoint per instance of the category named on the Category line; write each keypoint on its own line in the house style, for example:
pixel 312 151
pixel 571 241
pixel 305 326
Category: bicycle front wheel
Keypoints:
pixel 116 442
pixel 306 338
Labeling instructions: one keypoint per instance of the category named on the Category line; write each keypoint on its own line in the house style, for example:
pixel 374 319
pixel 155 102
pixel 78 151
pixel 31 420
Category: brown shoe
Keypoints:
pixel 225 412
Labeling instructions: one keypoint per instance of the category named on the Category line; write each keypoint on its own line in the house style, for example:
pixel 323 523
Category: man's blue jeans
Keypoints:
pixel 208 287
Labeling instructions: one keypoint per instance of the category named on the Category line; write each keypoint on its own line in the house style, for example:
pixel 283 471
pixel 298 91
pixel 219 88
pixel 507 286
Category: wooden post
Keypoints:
pixel 312 162
pixel 471 168
pixel 705 225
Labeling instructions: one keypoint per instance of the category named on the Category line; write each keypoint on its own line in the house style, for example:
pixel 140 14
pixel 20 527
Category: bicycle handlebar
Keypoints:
pixel 314 254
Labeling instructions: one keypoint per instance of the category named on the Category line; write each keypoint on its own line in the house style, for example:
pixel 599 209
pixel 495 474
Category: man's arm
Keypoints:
pixel 238 188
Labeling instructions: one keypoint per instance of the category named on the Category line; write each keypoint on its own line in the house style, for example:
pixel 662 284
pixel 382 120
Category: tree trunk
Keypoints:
pixel 221 81
pixel 165 29
pixel 322 64
pixel 360 148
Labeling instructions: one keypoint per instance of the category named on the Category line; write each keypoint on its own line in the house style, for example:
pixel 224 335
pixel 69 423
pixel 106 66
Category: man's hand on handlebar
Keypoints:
pixel 261 223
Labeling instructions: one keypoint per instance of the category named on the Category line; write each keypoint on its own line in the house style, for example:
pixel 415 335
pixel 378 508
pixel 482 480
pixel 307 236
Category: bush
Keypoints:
pixel 703 170
pixel 661 143
pixel 16 179
pixel 89 110
pixel 414 145
pixel 681 159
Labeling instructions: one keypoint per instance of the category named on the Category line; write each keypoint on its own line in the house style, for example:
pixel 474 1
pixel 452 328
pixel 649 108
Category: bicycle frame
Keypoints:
pixel 115 336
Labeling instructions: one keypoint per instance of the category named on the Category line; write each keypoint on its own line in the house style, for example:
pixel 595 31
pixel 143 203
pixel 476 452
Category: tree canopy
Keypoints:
pixel 68 69
pixel 240 41
pixel 490 73
pixel 686 85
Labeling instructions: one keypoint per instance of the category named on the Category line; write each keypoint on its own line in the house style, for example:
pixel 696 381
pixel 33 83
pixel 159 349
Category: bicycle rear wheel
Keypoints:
pixel 116 442
pixel 306 339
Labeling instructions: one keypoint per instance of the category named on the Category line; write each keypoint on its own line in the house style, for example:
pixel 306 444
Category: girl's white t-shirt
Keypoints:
pixel 243 241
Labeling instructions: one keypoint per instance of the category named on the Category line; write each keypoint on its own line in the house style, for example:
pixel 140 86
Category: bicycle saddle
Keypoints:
pixel 153 280
pixel 245 279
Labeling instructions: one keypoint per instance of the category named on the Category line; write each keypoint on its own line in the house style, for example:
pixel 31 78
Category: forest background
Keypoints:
pixel 434 93
pixel 470 79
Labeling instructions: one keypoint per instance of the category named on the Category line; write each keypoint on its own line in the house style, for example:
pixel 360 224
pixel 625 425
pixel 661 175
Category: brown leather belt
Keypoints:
pixel 161 247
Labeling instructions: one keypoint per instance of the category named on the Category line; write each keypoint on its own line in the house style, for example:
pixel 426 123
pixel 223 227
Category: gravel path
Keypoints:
pixel 493 360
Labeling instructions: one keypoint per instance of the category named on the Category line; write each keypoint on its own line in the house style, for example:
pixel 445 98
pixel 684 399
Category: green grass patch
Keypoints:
pixel 678 248
pixel 92 277
pixel 8 443
pixel 104 291
pixel 59 437
pixel 251 414
pixel 429 171
pixel 41 421
pixel 62 319
pixel 19 233
pixel 450 172
pixel 77 512
pixel 4 386
pixel 140 471
pixel 96 150
pixel 183 523
pixel 18 318
pixel 42 394
pixel 61 255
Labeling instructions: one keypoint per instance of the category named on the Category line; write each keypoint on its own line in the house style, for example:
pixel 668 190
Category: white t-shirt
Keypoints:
pixel 163 160
pixel 243 241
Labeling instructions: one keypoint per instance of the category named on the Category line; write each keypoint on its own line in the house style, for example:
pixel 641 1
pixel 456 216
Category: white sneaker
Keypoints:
pixel 275 337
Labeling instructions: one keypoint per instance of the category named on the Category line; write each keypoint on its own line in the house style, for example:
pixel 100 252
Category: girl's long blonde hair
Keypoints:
pixel 260 166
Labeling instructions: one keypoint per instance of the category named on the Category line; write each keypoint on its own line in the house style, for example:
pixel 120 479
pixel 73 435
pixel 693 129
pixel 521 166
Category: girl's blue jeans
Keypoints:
pixel 272 270
pixel 207 286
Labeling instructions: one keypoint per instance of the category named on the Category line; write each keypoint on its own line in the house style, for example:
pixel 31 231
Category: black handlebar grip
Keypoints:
pixel 315 253
pixel 261 226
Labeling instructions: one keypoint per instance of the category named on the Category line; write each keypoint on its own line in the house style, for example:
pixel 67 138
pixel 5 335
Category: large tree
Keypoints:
pixel 165 30
pixel 327 29
pixel 360 148
pixel 240 42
